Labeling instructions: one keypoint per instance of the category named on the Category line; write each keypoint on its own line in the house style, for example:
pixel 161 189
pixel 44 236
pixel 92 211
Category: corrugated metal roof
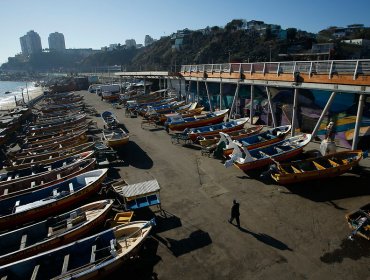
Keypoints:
pixel 140 188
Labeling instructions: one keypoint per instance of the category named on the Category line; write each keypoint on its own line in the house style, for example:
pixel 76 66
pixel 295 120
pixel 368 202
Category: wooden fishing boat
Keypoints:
pixel 43 148
pixel 55 133
pixel 323 167
pixel 63 100
pixel 32 183
pixel 166 108
pixel 226 127
pixel 206 141
pixel 115 138
pixel 110 96
pixel 96 255
pixel 359 222
pixel 179 124
pixel 266 138
pixel 61 107
pixel 63 139
pixel 53 232
pixel 29 173
pixel 109 119
pixel 39 204
pixel 263 156
pixel 59 119
pixel 47 158
pixel 165 104
pixel 57 125
pixel 184 114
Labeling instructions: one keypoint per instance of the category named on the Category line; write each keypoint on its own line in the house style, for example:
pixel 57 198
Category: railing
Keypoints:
pixel 328 67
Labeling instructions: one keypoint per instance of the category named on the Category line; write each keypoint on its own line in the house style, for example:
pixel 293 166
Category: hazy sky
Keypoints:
pixel 93 23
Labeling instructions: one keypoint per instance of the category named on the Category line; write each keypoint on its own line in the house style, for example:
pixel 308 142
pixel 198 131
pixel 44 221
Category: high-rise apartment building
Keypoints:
pixel 30 43
pixel 130 43
pixel 56 42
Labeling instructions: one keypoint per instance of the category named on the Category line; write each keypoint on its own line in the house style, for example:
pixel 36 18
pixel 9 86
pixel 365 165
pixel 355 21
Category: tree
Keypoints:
pixel 291 34
pixel 235 24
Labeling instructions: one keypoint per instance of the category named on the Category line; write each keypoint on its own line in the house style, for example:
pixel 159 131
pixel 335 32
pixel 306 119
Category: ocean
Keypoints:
pixel 15 88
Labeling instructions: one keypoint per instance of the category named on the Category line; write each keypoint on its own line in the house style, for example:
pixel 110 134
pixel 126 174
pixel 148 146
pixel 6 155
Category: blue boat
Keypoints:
pixel 99 254
pixel 32 206
pixel 109 119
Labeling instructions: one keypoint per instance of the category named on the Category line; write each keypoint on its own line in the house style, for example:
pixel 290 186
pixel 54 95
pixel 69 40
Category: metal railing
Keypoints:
pixel 321 67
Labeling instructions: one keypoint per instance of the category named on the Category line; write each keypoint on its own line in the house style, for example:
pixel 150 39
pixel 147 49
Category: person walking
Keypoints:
pixel 235 213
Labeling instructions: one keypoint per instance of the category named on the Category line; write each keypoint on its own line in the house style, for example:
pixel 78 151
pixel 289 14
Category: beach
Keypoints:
pixel 7 101
pixel 293 232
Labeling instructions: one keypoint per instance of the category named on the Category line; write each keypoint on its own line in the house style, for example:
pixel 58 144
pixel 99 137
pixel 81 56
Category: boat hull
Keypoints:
pixel 331 172
pixel 197 123
pixel 266 161
pixel 59 239
pixel 38 213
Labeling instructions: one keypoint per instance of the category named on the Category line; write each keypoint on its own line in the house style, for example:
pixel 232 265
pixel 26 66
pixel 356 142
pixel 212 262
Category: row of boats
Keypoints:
pixel 251 148
pixel 45 222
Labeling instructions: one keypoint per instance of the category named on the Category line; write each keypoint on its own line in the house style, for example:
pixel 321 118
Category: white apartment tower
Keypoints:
pixel 56 42
pixel 30 43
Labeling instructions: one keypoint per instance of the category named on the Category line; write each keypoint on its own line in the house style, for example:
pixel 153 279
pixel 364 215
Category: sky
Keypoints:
pixel 94 24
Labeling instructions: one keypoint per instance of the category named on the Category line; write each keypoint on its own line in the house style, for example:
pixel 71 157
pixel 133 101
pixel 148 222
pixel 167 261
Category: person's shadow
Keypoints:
pixel 267 239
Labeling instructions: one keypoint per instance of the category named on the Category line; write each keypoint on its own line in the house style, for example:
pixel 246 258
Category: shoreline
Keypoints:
pixel 32 94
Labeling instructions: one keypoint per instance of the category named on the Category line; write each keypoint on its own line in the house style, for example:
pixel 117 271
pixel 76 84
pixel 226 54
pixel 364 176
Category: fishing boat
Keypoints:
pixel 209 140
pixel 225 127
pixel 184 114
pixel 323 167
pixel 31 183
pixel 265 138
pixel 52 146
pixel 109 119
pixel 59 119
pixel 53 232
pixel 263 156
pixel 57 125
pixel 55 133
pixel 96 255
pixel 61 138
pixel 28 173
pixel 179 123
pixel 20 163
pixel 110 96
pixel 359 222
pixel 166 108
pixel 39 204
pixel 116 137
pixel 61 107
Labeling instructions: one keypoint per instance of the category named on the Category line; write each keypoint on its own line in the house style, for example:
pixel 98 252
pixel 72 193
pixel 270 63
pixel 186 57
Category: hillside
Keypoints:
pixel 234 43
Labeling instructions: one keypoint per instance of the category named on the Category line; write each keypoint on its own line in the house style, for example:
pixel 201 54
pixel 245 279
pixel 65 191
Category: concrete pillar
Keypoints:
pixel 197 90
pixel 327 106
pixel 221 94
pixel 188 92
pixel 209 98
pixel 270 106
pixel 234 100
pixel 251 109
pixel 294 113
pixel 144 85
pixel 356 133
pixel 180 96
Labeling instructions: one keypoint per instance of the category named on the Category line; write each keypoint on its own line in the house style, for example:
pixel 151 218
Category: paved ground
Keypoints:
pixel 287 233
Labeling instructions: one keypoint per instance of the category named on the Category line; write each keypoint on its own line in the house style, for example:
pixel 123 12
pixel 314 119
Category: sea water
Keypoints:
pixel 15 89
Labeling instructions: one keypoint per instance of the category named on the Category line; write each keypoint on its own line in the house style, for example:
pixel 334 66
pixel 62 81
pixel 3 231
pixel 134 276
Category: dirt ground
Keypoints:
pixel 296 232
